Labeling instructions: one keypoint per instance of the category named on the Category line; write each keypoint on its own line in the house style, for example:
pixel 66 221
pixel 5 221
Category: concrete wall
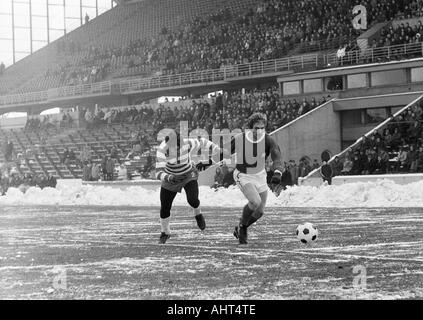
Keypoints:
pixel 353 133
pixel 376 101
pixel 292 87
pixel 313 85
pixel 358 80
pixel 12 123
pixel 417 74
pixel 310 134
pixel 392 77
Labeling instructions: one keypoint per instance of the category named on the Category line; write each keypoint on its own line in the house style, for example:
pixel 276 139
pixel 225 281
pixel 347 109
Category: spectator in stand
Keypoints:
pixel 86 171
pixel 110 167
pixel 218 179
pixel 402 162
pixel 66 157
pixel 315 165
pixel 382 162
pixel 95 171
pixel 337 167
pixel 89 118
pixel 420 159
pixel 304 167
pixel 104 168
pixel 412 159
pixel 85 154
pixel 51 180
pixel 293 169
pixel 326 172
pixel 148 167
pixel 114 153
pixel 122 172
pixel 41 180
pixel 8 150
pixel 228 179
pixel 356 166
pixel 286 179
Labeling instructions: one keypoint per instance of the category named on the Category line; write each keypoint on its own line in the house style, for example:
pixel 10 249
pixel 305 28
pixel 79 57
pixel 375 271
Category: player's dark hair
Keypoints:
pixel 256 117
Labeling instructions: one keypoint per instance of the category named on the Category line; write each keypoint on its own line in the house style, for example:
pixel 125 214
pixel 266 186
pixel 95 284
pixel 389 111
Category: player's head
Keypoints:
pixel 257 123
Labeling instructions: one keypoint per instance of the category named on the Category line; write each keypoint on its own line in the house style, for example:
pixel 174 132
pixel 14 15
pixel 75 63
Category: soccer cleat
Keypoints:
pixel 163 238
pixel 201 223
pixel 240 233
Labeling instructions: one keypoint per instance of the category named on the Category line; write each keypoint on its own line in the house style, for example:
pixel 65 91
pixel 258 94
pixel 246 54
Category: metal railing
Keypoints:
pixel 372 55
pixel 316 172
pixel 24 98
pixel 292 63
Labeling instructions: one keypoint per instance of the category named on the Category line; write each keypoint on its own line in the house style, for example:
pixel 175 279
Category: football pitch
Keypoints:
pixel 113 253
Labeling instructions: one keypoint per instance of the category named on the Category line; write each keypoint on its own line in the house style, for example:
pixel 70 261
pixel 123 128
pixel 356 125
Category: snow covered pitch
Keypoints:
pixel 111 252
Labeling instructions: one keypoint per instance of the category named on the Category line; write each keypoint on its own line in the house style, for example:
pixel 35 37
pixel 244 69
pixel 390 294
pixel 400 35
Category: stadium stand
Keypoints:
pixel 396 147
pixel 63 149
pixel 168 37
pixel 163 38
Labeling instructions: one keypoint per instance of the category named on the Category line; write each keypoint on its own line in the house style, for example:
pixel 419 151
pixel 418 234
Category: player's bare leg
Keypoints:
pixel 258 213
pixel 254 203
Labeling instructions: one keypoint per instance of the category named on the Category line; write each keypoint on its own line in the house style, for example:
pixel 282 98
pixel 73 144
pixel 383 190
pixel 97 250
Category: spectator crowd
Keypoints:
pixel 11 178
pixel 224 111
pixel 269 30
pixel 398 147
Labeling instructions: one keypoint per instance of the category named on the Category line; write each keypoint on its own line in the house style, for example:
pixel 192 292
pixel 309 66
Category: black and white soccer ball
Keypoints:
pixel 307 232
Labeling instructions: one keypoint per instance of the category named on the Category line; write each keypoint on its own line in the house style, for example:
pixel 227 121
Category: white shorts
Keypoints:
pixel 258 180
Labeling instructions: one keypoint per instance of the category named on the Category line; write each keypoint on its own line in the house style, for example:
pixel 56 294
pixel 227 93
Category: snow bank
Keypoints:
pixel 382 193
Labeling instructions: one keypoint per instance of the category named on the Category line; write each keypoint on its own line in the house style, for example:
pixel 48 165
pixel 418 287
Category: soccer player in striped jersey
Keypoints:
pixel 252 147
pixel 176 170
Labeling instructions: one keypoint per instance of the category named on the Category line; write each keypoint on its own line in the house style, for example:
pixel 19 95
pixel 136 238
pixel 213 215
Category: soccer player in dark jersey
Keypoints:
pixel 251 148
pixel 176 170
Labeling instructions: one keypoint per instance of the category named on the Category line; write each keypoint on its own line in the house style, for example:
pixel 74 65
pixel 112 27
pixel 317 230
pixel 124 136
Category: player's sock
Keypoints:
pixel 165 225
pixel 201 222
pixel 242 234
pixel 246 215
pixel 197 211
pixel 254 217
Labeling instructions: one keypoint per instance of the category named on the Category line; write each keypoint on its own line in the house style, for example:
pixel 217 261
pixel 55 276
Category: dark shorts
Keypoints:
pixel 177 187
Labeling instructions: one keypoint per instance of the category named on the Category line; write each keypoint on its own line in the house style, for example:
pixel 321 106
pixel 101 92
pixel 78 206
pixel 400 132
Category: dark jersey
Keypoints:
pixel 251 155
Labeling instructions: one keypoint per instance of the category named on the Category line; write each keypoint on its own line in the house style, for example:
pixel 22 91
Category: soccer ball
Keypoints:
pixel 307 233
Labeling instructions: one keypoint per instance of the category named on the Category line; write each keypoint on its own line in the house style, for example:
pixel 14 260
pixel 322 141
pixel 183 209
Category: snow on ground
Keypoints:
pixel 383 193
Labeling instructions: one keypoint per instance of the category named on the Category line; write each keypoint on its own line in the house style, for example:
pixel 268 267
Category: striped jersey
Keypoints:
pixel 181 163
